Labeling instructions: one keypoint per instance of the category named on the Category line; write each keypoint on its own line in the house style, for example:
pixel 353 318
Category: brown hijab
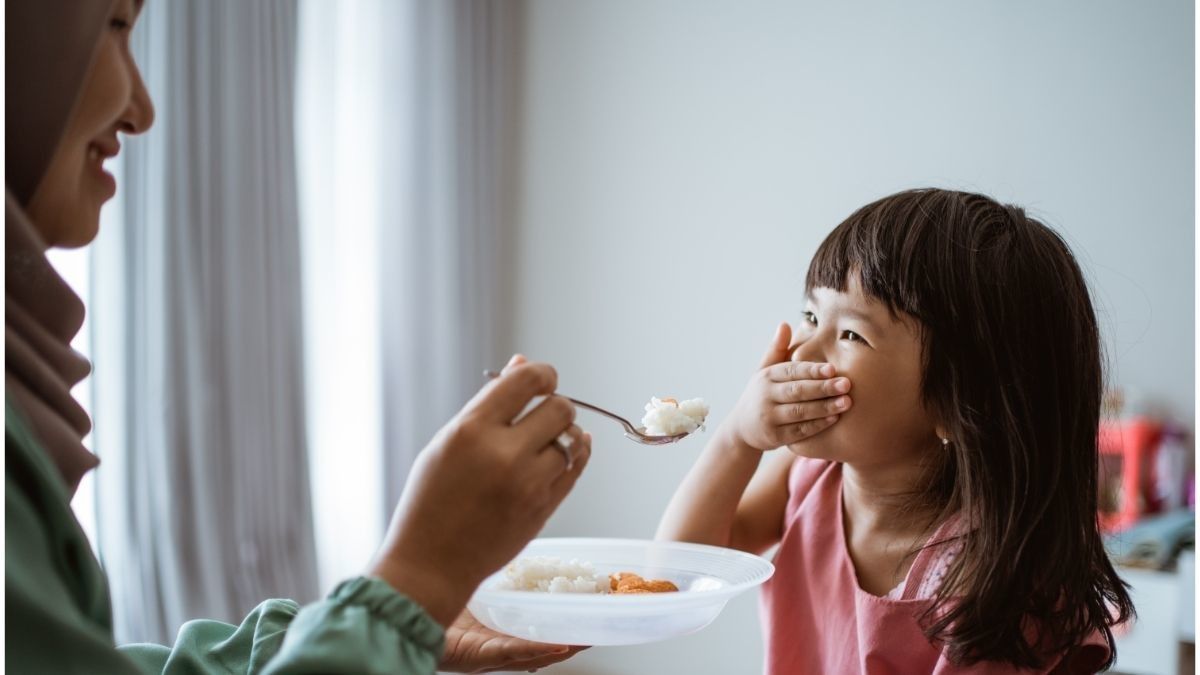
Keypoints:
pixel 49 47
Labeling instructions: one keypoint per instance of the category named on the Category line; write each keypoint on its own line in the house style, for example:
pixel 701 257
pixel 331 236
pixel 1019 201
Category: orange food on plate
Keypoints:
pixel 629 583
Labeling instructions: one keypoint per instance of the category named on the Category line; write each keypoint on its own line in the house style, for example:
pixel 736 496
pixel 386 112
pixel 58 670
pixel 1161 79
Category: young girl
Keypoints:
pixel 935 508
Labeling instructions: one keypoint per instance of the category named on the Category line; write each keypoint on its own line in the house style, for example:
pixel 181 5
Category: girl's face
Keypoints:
pixel 887 423
pixel 65 208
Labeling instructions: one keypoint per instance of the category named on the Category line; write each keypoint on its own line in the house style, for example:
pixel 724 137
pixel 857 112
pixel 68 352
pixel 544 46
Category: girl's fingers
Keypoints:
pixel 800 370
pixel 794 413
pixel 794 433
pixel 807 390
pixel 778 351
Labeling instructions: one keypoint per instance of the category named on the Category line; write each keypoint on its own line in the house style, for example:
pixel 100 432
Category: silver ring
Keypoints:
pixel 563 443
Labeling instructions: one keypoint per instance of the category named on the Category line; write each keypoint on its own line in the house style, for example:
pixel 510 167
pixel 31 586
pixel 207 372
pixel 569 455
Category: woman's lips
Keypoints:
pixel 96 154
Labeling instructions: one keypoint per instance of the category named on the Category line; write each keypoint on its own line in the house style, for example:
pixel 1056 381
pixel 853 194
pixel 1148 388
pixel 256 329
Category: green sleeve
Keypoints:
pixel 58 615
pixel 364 626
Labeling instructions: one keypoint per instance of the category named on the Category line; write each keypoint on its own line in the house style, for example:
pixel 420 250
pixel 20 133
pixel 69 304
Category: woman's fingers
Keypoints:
pixel 562 456
pixel 581 453
pixel 505 397
pixel 533 664
pixel 807 390
pixel 516 360
pixel 545 422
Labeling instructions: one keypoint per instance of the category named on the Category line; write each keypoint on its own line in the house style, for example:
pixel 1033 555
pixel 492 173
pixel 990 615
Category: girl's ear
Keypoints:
pixel 942 434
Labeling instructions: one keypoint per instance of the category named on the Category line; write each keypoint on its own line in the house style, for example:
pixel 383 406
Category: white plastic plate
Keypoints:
pixel 707 577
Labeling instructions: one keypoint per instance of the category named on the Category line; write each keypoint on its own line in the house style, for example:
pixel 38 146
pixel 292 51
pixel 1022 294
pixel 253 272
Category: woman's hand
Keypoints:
pixel 481 489
pixel 787 401
pixel 472 647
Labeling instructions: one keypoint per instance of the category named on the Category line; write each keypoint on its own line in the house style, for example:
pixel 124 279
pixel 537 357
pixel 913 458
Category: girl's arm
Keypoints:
pixel 722 501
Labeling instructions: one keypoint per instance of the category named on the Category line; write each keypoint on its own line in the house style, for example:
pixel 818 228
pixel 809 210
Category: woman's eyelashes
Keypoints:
pixel 810 319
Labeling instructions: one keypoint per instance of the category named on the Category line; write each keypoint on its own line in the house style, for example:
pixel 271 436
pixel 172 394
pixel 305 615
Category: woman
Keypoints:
pixel 479 491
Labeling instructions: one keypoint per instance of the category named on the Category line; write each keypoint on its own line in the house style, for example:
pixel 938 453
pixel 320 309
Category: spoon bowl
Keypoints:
pixel 639 435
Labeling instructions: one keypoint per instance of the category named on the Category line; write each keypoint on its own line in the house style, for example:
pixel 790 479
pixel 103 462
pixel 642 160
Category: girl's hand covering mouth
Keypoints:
pixel 787 401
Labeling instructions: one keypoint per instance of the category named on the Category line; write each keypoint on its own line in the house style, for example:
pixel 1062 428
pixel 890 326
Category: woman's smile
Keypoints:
pixel 97 153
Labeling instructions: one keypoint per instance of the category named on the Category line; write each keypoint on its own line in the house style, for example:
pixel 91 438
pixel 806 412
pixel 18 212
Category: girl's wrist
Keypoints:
pixel 735 445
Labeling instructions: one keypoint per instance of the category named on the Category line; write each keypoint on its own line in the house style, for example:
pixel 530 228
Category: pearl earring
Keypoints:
pixel 945 442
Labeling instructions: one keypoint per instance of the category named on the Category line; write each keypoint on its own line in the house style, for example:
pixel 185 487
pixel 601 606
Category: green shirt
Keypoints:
pixel 59 617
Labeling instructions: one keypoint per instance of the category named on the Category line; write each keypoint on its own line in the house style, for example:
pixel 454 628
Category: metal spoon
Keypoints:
pixel 636 434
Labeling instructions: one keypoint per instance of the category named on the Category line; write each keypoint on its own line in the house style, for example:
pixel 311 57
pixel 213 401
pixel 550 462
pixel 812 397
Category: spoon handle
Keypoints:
pixel 596 409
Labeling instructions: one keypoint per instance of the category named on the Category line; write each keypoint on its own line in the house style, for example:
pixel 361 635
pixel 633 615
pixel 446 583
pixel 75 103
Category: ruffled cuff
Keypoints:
pixel 363 627
pixel 394 608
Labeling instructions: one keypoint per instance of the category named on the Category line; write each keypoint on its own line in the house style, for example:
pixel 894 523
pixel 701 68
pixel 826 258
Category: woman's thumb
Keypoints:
pixel 779 350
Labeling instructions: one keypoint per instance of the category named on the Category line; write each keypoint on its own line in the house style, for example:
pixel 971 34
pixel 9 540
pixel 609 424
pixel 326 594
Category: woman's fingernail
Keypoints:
pixel 840 403
pixel 831 419
pixel 827 370
pixel 841 385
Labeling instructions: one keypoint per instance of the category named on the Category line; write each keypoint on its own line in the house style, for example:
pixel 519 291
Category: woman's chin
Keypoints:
pixel 80 234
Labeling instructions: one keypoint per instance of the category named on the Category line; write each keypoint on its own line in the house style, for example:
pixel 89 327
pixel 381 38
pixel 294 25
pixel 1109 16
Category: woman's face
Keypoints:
pixel 65 208
pixel 882 356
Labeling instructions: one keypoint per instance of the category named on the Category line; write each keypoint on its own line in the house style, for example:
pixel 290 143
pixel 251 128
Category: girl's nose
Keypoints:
pixel 812 349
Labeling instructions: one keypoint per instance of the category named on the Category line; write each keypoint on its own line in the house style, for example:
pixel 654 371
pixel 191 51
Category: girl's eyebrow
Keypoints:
pixel 864 317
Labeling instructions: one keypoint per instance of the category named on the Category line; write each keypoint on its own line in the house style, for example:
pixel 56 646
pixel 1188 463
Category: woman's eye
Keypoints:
pixel 810 318
pixel 852 336
pixel 119 25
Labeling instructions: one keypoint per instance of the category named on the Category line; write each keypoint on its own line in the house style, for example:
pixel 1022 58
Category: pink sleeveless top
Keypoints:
pixel 818 620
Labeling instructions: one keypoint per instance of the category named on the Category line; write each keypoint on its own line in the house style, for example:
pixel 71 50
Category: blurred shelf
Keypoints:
pixel 1165 603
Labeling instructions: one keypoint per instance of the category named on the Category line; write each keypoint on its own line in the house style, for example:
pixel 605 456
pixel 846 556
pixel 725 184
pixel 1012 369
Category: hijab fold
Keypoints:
pixel 49 48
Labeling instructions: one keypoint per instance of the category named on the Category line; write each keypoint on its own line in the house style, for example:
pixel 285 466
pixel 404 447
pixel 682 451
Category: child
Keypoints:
pixel 935 508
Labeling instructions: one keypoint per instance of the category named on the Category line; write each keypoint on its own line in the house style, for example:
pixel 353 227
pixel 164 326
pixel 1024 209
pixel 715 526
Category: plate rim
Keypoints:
pixel 767 570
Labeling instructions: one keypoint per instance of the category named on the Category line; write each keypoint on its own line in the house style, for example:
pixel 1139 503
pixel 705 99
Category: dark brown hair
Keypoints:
pixel 1013 373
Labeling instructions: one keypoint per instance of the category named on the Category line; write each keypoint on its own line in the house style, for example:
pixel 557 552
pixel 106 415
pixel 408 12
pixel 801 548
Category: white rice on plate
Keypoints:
pixel 552 575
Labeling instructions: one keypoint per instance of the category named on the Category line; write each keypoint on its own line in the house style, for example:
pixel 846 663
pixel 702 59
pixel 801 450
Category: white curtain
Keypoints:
pixel 445 252
pixel 405 126
pixel 203 491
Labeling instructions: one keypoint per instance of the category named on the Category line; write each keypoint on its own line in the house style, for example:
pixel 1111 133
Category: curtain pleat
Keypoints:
pixel 442 255
pixel 203 494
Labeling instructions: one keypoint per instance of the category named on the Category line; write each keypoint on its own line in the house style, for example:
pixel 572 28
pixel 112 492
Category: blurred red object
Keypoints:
pixel 1127 480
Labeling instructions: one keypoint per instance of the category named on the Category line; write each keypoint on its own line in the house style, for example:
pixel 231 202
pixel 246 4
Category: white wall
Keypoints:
pixel 680 161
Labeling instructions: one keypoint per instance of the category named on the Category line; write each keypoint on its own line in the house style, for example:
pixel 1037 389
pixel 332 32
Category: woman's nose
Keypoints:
pixel 139 114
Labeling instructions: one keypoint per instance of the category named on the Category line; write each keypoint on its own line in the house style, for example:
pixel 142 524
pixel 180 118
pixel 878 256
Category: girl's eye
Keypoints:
pixel 810 318
pixel 120 25
pixel 852 336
